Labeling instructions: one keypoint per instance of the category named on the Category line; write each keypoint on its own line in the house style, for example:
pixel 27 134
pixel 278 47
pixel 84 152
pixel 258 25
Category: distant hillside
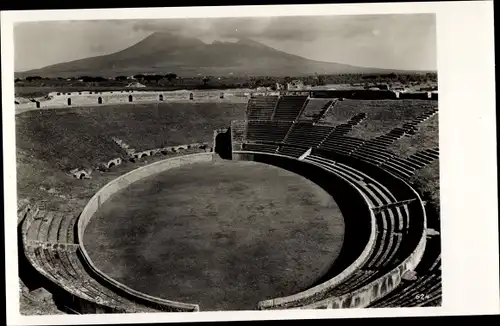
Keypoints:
pixel 164 52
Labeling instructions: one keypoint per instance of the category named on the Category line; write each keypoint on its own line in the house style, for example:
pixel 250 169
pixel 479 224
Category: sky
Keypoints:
pixel 403 41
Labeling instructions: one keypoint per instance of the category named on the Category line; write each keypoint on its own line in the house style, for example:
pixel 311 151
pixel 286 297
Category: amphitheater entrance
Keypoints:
pixel 161 97
pixel 69 101
pixel 130 98
pixel 99 100
pixel 222 144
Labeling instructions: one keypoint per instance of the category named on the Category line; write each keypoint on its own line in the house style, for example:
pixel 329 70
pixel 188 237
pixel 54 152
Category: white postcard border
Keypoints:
pixel 467 146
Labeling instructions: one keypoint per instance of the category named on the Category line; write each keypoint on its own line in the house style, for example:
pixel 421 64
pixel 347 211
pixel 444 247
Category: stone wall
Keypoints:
pixel 238 133
pixel 92 98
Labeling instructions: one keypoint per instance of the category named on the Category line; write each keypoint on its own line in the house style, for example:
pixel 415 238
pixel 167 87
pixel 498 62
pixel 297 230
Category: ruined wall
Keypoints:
pixel 91 98
pixel 238 134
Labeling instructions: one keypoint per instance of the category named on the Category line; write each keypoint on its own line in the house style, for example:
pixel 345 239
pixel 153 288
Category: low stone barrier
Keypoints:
pixel 104 194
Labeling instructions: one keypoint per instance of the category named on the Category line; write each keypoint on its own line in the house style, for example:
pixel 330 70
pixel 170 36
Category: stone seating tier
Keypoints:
pixel 289 108
pixel 294 152
pixel 314 109
pixel 266 148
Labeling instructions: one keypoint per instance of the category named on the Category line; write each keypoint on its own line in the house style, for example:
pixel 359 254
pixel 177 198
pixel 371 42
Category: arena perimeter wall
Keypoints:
pixel 359 221
pixel 101 197
pixel 387 282
pixel 413 252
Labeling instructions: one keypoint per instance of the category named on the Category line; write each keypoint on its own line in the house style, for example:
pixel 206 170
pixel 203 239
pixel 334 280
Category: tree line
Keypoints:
pixel 253 81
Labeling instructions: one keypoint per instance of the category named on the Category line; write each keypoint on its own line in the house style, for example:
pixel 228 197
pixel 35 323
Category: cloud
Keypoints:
pixel 302 28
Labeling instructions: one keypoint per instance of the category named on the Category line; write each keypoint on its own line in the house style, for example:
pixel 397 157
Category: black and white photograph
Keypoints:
pixel 236 163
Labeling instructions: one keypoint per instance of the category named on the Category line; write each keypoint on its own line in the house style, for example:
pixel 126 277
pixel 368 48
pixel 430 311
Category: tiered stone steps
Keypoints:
pixel 267 131
pixel 314 109
pixel 406 167
pixel 289 108
pixel 261 107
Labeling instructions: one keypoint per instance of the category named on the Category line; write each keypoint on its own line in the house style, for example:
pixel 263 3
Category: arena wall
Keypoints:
pixel 104 194
pixel 359 222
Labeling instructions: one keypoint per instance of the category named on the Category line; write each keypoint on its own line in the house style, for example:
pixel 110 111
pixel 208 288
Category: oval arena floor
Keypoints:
pixel 224 234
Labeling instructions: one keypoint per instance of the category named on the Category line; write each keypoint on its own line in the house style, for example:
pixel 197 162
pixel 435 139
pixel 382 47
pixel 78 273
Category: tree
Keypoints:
pixel 139 76
pixel 90 79
pixel 152 78
pixel 321 80
pixel 121 78
pixel 171 76
pixel 32 78
pixel 157 78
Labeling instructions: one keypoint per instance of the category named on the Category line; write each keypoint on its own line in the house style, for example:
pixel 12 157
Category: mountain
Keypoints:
pixel 163 52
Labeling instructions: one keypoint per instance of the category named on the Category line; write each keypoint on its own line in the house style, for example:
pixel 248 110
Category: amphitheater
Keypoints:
pixel 378 159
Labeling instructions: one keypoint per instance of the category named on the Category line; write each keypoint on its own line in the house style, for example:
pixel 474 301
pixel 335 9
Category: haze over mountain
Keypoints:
pixel 163 52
